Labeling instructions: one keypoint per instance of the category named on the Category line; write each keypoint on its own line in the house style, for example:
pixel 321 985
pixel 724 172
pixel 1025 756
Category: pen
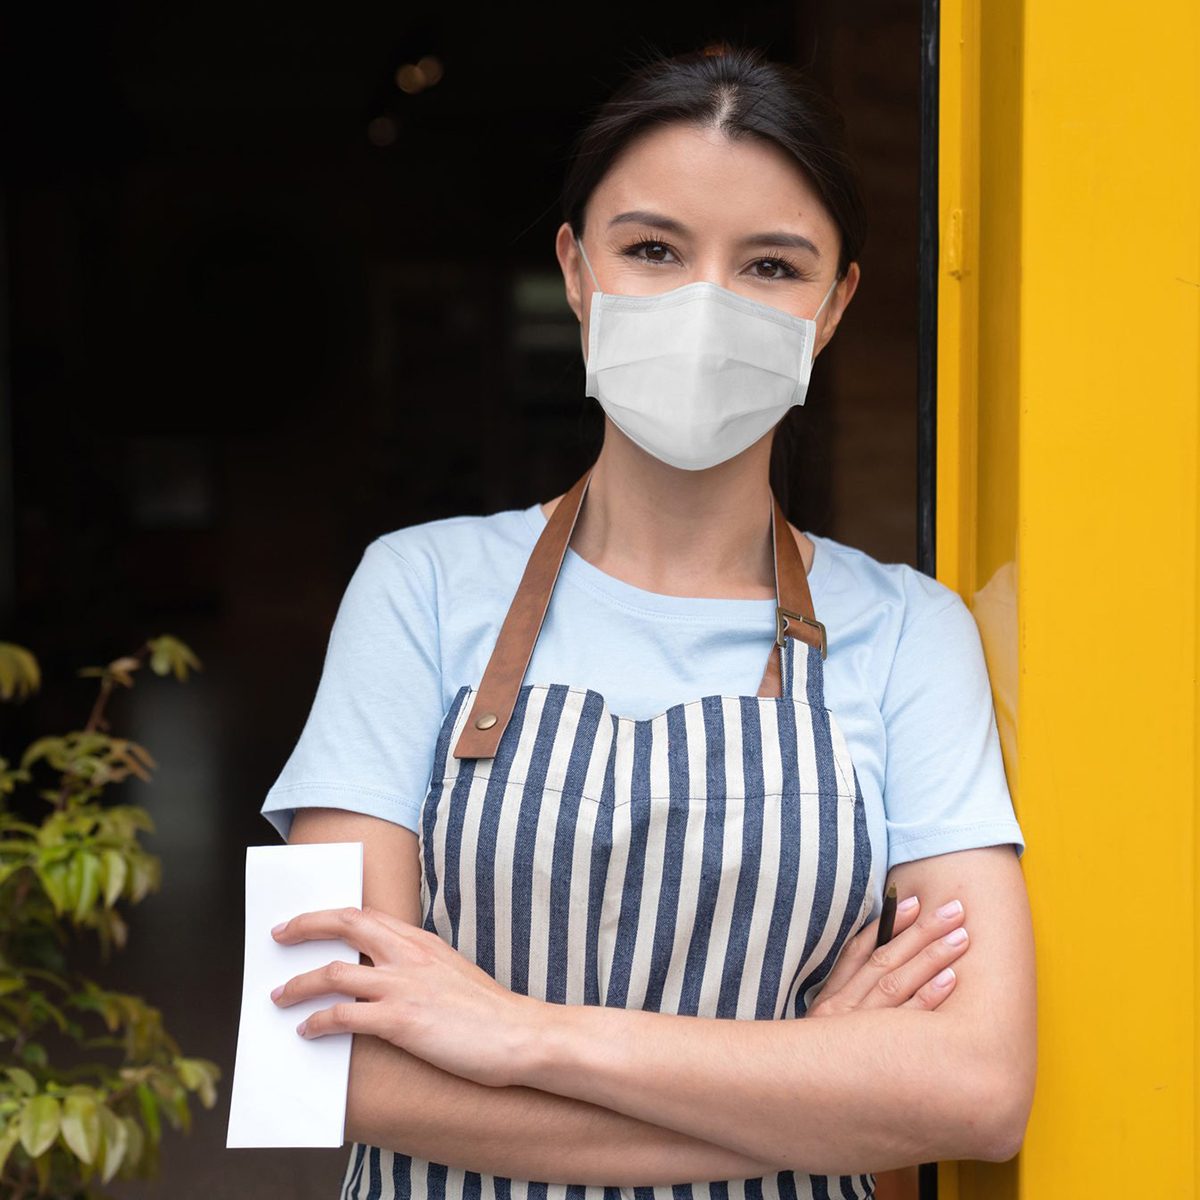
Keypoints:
pixel 887 917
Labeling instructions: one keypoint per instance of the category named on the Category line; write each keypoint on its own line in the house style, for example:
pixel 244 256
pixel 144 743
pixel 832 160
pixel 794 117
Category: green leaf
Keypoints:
pixel 178 1111
pixel 114 1144
pixel 50 748
pixel 115 873
pixel 53 851
pixel 136 1141
pixel 189 1073
pixel 39 1124
pixel 81 1126
pixel 26 1084
pixel 168 653
pixel 123 819
pixel 148 1103
pixel 19 672
pixel 8 1139
pixel 89 741
pixel 142 869
pixel 199 1075
pixel 117 930
pixel 10 824
pixel 53 877
pixel 74 879
pixel 89 887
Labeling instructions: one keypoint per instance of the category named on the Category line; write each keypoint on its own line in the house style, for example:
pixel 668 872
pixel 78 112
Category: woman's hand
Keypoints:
pixel 910 971
pixel 421 995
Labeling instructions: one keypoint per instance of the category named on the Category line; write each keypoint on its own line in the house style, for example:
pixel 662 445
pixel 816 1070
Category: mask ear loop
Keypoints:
pixel 827 295
pixel 589 265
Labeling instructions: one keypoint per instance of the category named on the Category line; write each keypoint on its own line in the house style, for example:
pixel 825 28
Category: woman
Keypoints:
pixel 643 759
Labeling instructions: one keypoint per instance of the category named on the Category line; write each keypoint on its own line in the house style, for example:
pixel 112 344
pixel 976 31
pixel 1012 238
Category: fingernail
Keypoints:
pixel 905 905
pixel 300 1027
pixel 944 978
pixel 275 929
pixel 952 909
pixel 276 991
pixel 955 937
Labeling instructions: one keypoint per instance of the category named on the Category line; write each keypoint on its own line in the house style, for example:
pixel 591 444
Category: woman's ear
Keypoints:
pixel 569 262
pixel 838 303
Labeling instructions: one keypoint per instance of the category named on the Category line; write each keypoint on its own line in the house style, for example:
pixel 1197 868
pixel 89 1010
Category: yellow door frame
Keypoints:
pixel 1068 517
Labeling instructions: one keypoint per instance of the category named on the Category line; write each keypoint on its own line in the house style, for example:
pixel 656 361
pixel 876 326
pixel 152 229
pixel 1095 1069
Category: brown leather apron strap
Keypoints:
pixel 496 697
pixel 794 616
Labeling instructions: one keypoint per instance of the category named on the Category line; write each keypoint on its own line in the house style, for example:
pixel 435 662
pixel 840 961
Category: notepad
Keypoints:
pixel 289 1090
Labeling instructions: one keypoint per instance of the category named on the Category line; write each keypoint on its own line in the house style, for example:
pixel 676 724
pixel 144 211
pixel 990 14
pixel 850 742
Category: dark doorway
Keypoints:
pixel 263 305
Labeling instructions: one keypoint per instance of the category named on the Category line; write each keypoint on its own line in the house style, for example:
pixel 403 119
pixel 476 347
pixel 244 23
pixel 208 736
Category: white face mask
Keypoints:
pixel 696 374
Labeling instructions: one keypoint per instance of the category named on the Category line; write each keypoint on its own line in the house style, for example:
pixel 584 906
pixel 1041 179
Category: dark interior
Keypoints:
pixel 260 305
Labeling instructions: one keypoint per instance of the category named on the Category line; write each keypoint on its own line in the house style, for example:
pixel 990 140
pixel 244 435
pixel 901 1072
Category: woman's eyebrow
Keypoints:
pixel 774 238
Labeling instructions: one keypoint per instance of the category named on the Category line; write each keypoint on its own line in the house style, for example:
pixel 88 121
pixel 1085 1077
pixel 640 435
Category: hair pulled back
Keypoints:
pixel 738 91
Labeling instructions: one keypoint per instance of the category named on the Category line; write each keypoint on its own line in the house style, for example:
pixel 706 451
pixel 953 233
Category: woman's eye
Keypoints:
pixel 653 251
pixel 779 268
pixel 650 250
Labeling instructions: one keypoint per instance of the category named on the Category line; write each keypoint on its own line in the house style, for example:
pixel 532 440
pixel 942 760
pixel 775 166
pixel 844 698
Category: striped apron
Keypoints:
pixel 711 860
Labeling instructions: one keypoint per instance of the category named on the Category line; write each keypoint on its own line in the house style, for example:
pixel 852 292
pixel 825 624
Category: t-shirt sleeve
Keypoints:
pixel 369 740
pixel 944 784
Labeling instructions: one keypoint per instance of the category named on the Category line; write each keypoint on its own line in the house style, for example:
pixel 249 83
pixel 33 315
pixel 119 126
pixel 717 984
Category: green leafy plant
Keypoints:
pixel 69 1124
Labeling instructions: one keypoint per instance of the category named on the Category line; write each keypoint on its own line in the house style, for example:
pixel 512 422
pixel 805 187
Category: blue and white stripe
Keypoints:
pixel 711 860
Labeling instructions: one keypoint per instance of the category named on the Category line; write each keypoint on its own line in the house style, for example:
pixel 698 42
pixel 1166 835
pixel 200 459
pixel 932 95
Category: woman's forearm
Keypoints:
pixel 868 1090
pixel 403 1103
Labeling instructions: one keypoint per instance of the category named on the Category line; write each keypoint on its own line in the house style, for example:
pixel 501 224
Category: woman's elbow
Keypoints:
pixel 1004 1102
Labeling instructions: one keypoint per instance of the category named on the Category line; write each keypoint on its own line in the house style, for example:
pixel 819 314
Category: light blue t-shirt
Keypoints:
pixel 905 675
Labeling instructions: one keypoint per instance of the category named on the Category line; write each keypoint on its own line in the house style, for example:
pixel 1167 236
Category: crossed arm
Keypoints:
pixel 623 1098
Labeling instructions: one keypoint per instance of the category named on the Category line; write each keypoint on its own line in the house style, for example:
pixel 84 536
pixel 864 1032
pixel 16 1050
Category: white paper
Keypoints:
pixel 289 1090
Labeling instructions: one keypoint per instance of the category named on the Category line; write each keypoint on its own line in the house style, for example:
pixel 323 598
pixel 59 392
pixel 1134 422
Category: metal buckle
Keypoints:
pixel 781 624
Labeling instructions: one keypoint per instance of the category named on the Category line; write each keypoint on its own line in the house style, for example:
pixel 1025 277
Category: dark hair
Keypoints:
pixel 738 91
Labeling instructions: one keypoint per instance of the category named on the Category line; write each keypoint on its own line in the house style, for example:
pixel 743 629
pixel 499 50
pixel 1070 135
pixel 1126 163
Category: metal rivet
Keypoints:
pixel 486 721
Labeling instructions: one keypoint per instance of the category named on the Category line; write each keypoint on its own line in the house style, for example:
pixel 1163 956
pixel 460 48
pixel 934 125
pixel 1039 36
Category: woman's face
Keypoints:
pixel 683 204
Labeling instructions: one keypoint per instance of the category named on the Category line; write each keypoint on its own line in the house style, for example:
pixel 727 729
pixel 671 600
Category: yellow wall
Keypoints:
pixel 1068 516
